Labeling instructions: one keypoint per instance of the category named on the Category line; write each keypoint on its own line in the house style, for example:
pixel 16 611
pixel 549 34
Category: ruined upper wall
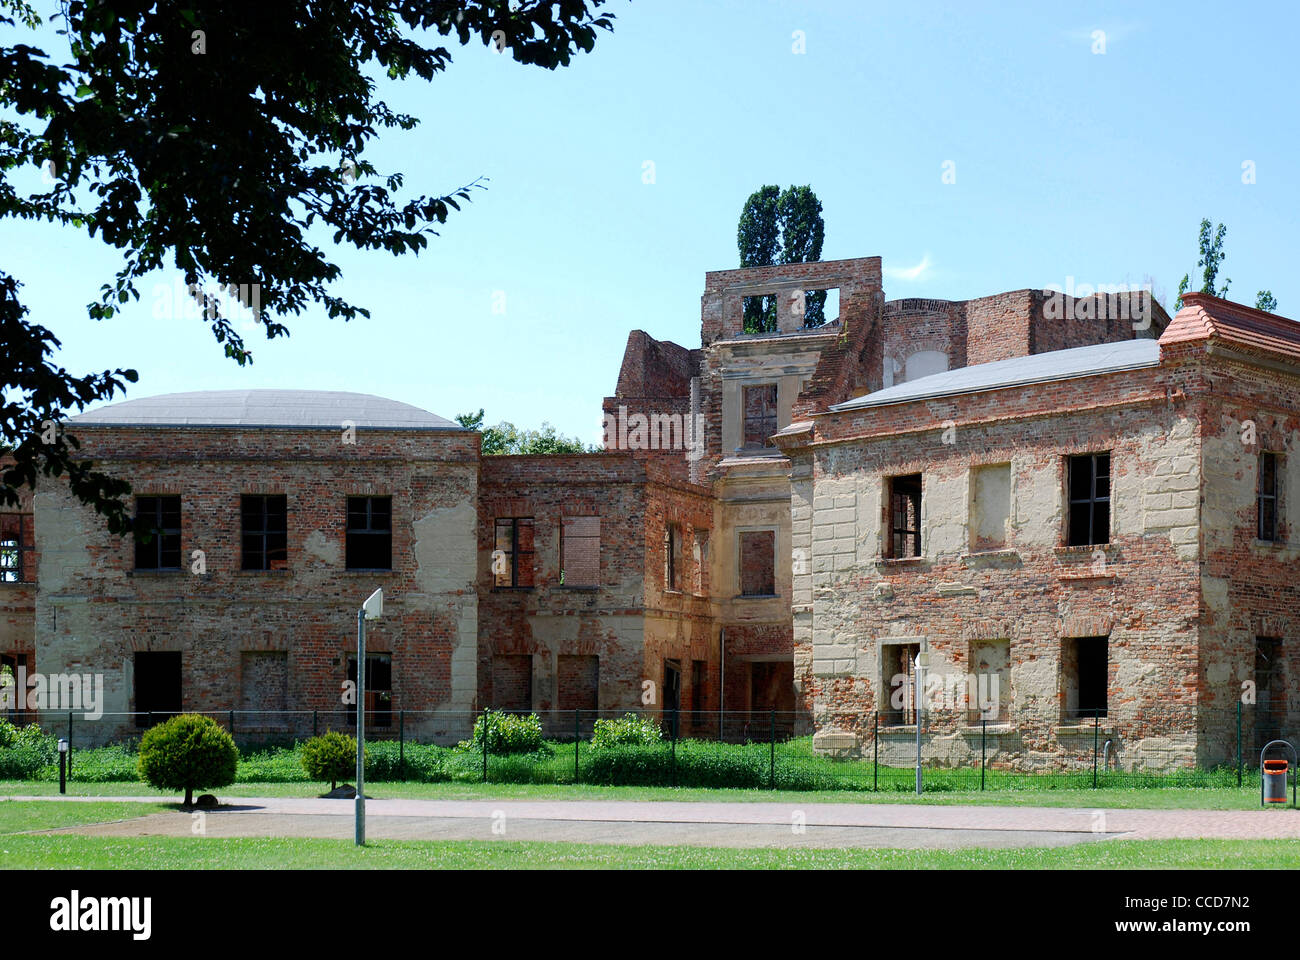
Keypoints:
pixel 722 306
pixel 655 368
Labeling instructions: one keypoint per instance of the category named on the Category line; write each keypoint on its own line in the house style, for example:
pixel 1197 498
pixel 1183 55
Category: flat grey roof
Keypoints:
pixel 264 408
pixel 1017 371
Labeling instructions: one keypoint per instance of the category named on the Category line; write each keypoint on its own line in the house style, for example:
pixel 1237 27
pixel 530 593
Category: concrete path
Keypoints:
pixel 825 825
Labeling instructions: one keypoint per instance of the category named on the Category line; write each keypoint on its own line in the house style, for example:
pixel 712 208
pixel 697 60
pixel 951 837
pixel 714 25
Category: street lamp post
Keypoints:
pixel 372 609
pixel 918 698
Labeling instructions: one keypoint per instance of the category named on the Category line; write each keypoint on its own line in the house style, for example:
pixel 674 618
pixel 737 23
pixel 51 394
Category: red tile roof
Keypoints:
pixel 1204 317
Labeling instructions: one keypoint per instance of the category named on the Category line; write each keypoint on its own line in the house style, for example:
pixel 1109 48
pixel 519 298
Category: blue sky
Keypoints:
pixel 1067 162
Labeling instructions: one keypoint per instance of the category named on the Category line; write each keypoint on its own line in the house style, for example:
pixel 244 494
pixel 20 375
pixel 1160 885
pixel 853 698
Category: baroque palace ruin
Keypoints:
pixel 1085 514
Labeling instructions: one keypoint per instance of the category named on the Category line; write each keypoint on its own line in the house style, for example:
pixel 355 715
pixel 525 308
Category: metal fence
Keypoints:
pixel 875 750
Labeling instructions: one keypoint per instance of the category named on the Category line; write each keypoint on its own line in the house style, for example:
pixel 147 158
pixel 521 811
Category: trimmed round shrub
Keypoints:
pixel 629 730
pixel 330 757
pixel 506 733
pixel 188 752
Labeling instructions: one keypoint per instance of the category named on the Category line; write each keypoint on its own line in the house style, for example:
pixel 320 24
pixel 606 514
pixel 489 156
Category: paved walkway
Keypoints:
pixel 834 825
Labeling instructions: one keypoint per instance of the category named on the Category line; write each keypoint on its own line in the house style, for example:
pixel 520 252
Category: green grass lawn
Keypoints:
pixel 20 849
pixel 199 853
pixel 1163 798
pixel 19 817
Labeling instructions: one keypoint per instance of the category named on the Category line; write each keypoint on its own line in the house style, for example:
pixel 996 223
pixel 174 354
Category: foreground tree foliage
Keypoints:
pixel 211 137
pixel 188 752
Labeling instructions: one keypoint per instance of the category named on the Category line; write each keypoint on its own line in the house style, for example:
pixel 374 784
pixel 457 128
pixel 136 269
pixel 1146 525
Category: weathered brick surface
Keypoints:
pixel 1181 591
pixel 18 599
pixel 95 610
pixel 630 624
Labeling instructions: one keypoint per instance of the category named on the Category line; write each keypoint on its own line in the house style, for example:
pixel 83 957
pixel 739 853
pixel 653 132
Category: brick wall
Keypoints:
pixel 94 610
pixel 1141 591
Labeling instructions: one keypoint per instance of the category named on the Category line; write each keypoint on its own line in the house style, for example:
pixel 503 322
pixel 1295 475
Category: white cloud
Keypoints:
pixel 909 273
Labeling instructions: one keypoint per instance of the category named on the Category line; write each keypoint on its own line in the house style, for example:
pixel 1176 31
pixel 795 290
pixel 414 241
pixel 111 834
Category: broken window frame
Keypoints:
pixel 361 537
pixel 904 655
pixel 270 544
pixel 1101 709
pixel 379 700
pixel 15 554
pixel 515 554
pixel 164 544
pixel 898 529
pixel 765 425
pixel 1093 500
pixel 672 566
pixel 1266 498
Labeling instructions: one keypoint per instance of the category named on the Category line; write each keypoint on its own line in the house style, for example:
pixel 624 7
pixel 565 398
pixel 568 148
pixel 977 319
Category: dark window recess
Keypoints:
pixel 1267 497
pixel 370 533
pixel 1091 676
pixel 512 557
pixel 672 564
pixel 905 516
pixel 758 563
pixel 379 689
pixel 159 518
pixel 699 692
pixel 157 687
pixel 672 692
pixel 760 415
pixel 771 688
pixel 580 552
pixel 898 677
pixel 1089 487
pixel 16 542
pixel 264 523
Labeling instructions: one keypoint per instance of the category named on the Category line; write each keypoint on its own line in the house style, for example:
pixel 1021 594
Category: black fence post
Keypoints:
pixel 401 743
pixel 771 763
pixel 577 714
pixel 984 735
pixel 875 754
pixel 485 744
pixel 1239 742
pixel 232 723
pixel 1096 731
pixel 69 744
pixel 315 723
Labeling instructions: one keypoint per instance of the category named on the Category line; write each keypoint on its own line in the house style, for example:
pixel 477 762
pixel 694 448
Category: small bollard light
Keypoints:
pixel 63 765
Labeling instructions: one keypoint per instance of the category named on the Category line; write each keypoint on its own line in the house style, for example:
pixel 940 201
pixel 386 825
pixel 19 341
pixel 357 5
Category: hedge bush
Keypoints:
pixel 188 752
pixel 330 757
pixel 25 750
pixel 110 764
pixel 506 733
pixel 276 765
pixel 698 764
pixel 628 730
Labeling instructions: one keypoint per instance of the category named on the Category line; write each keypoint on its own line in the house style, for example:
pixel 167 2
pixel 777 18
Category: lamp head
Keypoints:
pixel 374 605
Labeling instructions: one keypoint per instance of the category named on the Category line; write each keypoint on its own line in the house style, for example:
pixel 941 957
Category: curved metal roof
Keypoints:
pixel 264 408
pixel 1017 371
